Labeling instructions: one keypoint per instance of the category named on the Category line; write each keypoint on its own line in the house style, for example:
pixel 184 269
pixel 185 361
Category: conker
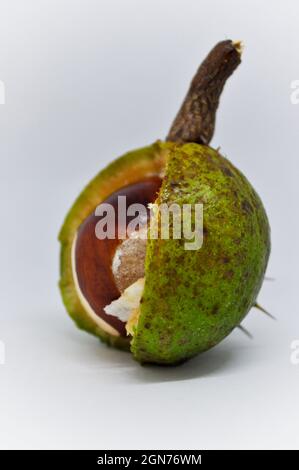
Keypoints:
pixel 152 296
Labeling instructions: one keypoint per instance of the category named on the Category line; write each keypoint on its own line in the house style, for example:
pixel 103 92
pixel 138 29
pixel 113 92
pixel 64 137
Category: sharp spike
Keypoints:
pixel 246 332
pixel 259 307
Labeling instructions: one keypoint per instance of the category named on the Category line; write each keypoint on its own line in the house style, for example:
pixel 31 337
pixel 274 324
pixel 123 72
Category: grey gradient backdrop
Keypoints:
pixel 85 82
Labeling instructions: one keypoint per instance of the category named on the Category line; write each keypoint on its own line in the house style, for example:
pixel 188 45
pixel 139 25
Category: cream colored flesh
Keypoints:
pixel 128 302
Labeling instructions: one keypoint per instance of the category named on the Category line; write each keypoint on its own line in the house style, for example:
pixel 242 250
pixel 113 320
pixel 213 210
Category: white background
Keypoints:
pixel 85 82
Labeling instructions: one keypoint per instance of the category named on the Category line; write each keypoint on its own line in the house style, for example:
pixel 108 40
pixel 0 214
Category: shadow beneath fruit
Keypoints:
pixel 221 360
pixel 227 358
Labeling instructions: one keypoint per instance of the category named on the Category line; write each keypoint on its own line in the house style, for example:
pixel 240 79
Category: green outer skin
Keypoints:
pixel 130 168
pixel 194 299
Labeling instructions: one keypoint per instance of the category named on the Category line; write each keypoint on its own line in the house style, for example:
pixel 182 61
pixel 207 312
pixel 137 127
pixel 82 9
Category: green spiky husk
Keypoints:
pixel 130 168
pixel 194 299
